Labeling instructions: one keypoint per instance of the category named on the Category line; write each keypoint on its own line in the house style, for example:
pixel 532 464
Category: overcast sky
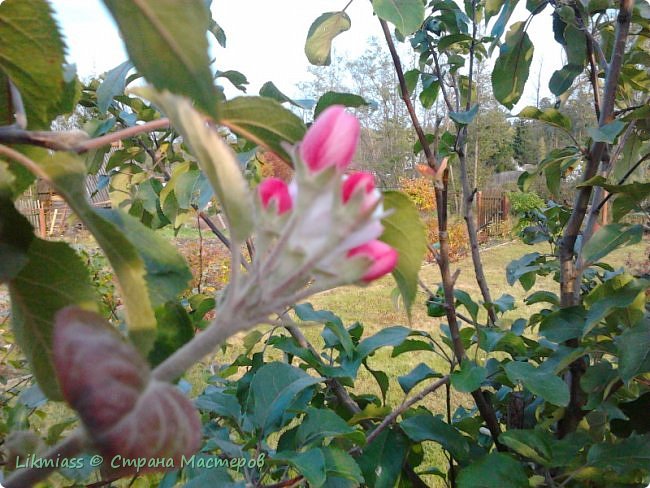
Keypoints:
pixel 266 39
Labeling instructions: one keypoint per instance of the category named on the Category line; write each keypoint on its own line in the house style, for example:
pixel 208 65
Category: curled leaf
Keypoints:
pixel 125 412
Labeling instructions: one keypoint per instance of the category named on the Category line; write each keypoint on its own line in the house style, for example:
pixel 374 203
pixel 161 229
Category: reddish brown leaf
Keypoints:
pixel 108 383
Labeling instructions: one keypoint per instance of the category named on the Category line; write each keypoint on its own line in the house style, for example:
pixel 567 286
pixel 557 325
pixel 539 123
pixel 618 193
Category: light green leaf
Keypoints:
pixel 469 377
pixel 540 382
pixel 32 56
pixel 512 66
pixel 177 34
pixel 404 231
pixel 464 118
pixel 264 122
pixel 54 277
pixel 318 46
pixel 406 15
pixel 67 174
pixel 495 470
pixel 607 133
pixel 215 158
pixel 113 85
pixel 335 98
pixel 609 238
pixel 550 116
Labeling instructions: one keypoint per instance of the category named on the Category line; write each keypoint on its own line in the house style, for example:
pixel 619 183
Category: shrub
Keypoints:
pixel 420 190
pixel 458 240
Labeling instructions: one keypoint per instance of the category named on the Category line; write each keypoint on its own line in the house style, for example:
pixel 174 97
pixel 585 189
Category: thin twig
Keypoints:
pixel 122 134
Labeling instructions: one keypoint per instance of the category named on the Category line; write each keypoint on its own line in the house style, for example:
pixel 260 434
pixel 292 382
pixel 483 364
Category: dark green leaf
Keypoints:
pixel 310 464
pixel 263 121
pixel 429 95
pixel 446 41
pixel 540 382
pixel 465 299
pixel 512 66
pixel 614 298
pixel 469 377
pixel 420 373
pixel 269 90
pixel 335 98
pixel 237 79
pixel 562 79
pixel 528 443
pixel 426 427
pixel 381 462
pixel 339 464
pixel 634 351
pixel 322 424
pixel 318 46
pixel 273 389
pixel 220 403
pixel 390 336
pixel 563 324
pixel 174 329
pixel 406 15
pixel 404 231
pixel 36 297
pixel 16 236
pixel 177 33
pixel 623 457
pixel 495 470
pixel 543 296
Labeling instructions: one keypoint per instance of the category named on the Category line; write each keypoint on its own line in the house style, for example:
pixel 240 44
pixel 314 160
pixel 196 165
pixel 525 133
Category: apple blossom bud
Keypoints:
pixel 383 259
pixel 355 181
pixel 331 140
pixel 274 189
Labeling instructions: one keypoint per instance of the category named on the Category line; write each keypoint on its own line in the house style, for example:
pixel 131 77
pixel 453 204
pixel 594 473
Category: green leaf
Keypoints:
pixel 540 382
pixel 464 118
pixel 512 66
pixel 469 377
pixel 562 79
pixel 609 238
pixel 607 133
pixel 518 268
pixel 528 443
pixel 318 46
pixel 465 299
pixel 429 95
pixel 336 98
pixel 452 39
pixel 174 329
pixel 381 462
pixel 322 424
pixel 339 464
pixel 634 351
pixel 426 427
pixel 113 84
pixel 406 15
pixel 492 7
pixel 263 121
pixel 495 470
pixel 16 236
pixel 237 78
pixel 623 457
pixel 36 297
pixel 223 404
pixel 177 34
pixel 273 389
pixel 67 173
pixel 543 296
pixel 390 336
pixel 32 56
pixel 563 324
pixel 420 373
pixel 404 231
pixel 167 272
pixel 550 116
pixel 215 158
pixel 269 90
pixel 613 298
pixel 310 464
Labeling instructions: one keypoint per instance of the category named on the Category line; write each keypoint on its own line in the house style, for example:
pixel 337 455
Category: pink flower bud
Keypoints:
pixel 355 181
pixel 331 140
pixel 382 256
pixel 274 189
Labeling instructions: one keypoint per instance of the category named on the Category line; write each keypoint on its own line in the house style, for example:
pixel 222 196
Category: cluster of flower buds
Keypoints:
pixel 325 223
